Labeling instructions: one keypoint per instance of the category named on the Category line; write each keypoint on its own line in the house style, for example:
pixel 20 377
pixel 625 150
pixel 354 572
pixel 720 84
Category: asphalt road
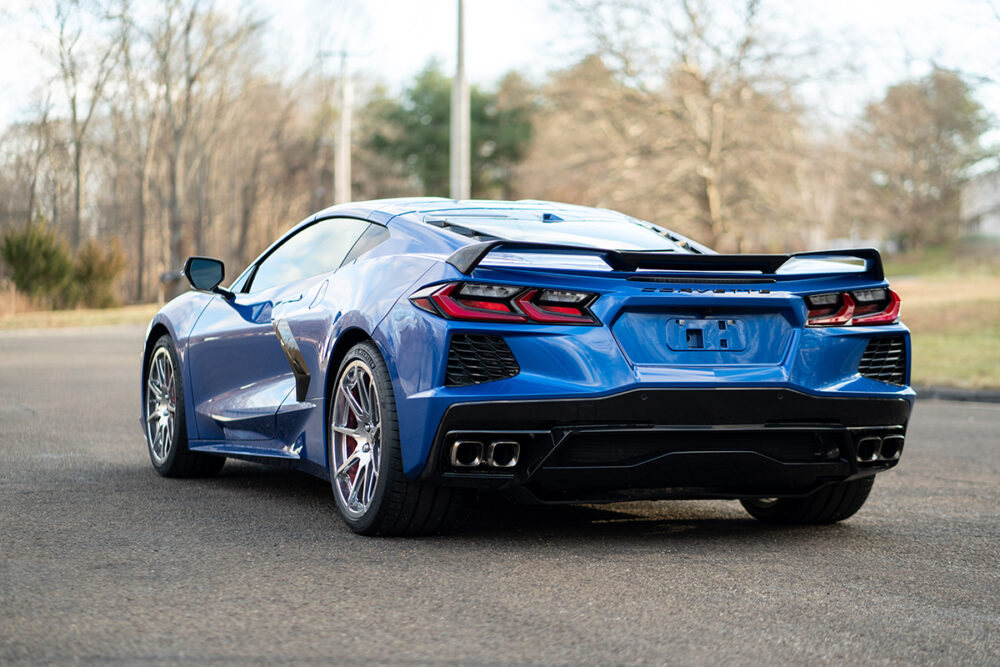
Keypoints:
pixel 101 560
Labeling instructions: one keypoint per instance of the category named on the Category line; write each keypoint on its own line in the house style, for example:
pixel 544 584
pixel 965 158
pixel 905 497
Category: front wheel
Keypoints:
pixel 373 494
pixel 835 502
pixel 166 435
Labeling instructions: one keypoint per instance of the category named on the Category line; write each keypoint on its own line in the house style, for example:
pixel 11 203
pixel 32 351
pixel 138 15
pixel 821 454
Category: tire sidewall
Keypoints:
pixel 180 428
pixel 370 355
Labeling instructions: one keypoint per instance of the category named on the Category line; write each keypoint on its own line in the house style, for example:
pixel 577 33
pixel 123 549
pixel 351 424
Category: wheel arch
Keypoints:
pixel 156 331
pixel 158 328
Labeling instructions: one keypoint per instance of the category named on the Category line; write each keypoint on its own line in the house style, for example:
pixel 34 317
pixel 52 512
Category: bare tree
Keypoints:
pixel 40 150
pixel 85 64
pixel 190 44
pixel 914 150
pixel 139 119
pixel 697 119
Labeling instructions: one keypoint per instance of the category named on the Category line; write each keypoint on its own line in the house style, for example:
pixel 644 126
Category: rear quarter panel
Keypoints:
pixel 355 298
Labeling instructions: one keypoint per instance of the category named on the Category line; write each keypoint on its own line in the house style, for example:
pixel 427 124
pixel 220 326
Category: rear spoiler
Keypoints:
pixel 467 258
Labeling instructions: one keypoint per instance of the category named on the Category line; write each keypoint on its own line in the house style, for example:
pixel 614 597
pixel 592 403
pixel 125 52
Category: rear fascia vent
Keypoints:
pixel 884 360
pixel 478 358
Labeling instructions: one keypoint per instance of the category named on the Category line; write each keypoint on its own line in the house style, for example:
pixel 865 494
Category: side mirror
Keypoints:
pixel 206 273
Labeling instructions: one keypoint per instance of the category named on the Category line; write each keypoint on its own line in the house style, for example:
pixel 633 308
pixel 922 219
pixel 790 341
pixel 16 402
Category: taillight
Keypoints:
pixel 879 305
pixel 830 310
pixel 479 302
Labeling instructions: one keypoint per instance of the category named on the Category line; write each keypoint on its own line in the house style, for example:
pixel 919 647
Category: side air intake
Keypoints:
pixel 885 360
pixel 476 358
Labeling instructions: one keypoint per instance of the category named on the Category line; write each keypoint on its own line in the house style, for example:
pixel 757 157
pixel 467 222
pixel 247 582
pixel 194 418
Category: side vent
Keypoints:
pixel 885 360
pixel 476 358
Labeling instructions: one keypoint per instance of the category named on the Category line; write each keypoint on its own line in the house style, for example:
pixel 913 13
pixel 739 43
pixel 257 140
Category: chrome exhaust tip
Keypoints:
pixel 466 453
pixel 892 447
pixel 503 454
pixel 868 449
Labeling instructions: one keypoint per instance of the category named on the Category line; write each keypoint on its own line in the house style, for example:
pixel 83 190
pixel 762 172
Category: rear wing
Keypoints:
pixel 467 258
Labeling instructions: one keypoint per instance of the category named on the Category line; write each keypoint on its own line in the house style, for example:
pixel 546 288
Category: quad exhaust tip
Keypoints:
pixel 892 447
pixel 503 454
pixel 868 449
pixel 473 453
pixel 466 453
pixel 873 448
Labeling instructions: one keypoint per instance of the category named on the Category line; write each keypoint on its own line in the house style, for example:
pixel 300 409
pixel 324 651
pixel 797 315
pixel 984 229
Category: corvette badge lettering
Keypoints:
pixel 700 290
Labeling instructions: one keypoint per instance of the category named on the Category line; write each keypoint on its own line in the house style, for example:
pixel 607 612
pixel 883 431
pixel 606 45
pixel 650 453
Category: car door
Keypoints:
pixel 239 372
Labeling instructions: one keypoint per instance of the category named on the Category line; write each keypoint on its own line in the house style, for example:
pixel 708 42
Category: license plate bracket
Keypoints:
pixel 705 335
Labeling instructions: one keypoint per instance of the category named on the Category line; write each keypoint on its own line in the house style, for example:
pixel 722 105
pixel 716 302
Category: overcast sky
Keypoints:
pixel 391 39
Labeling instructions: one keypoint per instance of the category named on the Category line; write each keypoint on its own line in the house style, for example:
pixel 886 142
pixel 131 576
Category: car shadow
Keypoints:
pixel 493 517
pixel 675 520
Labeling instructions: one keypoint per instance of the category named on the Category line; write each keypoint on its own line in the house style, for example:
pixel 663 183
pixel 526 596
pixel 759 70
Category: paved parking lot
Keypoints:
pixel 101 560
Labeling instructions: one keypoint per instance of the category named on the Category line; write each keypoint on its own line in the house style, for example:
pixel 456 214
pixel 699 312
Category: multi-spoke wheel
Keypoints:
pixel 161 405
pixel 373 494
pixel 166 435
pixel 356 434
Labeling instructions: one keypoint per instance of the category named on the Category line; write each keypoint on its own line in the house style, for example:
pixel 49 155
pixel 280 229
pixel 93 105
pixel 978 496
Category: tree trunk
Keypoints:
pixel 141 239
pixel 175 224
pixel 78 192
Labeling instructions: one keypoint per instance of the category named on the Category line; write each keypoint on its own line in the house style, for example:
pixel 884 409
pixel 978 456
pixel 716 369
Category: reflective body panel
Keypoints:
pixel 258 367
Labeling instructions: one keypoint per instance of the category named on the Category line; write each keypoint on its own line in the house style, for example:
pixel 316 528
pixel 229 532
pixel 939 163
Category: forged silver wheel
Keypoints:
pixel 356 434
pixel 161 405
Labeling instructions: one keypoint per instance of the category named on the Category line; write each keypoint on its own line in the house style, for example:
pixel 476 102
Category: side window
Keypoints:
pixel 373 236
pixel 315 249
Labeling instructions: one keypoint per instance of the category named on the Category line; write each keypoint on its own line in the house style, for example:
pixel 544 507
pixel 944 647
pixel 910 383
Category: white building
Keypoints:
pixel 981 205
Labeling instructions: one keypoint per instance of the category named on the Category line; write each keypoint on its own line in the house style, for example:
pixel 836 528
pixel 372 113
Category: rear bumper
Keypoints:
pixel 680 443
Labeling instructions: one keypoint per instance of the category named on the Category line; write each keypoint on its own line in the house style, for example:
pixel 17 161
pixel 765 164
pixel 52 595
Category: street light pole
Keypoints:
pixel 342 146
pixel 459 159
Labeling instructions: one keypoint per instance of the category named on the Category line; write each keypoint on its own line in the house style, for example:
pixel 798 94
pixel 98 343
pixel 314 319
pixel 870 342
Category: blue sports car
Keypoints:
pixel 414 351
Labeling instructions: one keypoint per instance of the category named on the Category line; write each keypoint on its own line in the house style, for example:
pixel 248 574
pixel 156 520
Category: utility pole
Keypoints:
pixel 342 146
pixel 459 162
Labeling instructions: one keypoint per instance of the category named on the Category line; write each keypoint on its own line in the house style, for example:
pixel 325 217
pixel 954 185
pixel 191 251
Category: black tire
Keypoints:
pixel 177 461
pixel 398 504
pixel 835 502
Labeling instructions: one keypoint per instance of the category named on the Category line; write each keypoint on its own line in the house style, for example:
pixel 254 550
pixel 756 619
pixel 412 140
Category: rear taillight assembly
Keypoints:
pixel 879 305
pixel 479 302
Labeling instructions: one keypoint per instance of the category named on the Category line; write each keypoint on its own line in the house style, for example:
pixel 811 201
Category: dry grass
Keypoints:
pixel 44 319
pixel 955 320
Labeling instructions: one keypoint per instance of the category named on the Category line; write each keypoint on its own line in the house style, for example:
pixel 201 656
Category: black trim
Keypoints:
pixel 884 359
pixel 720 406
pixel 467 258
pixel 478 358
pixel 294 357
pixel 714 442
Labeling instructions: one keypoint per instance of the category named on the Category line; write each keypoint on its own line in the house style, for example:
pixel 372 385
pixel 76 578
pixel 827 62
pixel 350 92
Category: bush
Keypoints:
pixel 40 264
pixel 43 268
pixel 94 273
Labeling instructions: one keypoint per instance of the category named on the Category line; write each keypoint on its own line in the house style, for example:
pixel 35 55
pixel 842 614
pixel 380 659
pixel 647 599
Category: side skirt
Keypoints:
pixel 267 452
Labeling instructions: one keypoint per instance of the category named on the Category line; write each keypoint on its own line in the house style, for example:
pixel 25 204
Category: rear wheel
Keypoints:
pixel 366 467
pixel 166 435
pixel 831 503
